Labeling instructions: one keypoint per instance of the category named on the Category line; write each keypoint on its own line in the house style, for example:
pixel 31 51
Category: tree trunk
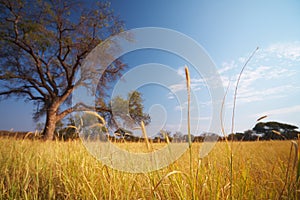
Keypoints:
pixel 49 129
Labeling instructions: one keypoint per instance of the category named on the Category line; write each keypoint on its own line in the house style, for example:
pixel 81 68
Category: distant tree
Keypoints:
pixel 163 135
pixel 276 130
pixel 243 136
pixel 166 134
pixel 249 135
pixel 177 137
pixel 130 111
pixel 209 136
pixel 231 136
pixel 185 138
pixel 136 108
pixel 42 46
pixel 119 107
pixel 199 138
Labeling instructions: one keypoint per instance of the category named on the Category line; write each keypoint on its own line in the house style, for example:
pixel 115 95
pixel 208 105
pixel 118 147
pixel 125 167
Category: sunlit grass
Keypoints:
pixel 65 170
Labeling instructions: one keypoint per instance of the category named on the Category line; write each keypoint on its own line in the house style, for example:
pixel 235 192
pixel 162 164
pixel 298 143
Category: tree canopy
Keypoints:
pixel 268 131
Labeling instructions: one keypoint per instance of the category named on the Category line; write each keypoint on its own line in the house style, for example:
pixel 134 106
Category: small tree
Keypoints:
pixel 177 137
pixel 42 46
pixel 165 135
pixel 129 111
pixel 136 108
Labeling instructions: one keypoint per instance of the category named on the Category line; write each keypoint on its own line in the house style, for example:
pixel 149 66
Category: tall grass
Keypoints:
pixel 65 170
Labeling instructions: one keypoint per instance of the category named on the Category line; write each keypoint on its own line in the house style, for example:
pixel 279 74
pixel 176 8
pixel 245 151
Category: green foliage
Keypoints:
pixel 136 108
pixel 130 111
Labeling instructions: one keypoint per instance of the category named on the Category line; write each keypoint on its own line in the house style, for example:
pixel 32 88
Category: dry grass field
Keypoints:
pixel 65 170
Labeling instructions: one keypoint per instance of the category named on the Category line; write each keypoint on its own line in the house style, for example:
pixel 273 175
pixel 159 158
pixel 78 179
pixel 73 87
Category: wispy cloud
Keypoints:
pixel 269 75
pixel 196 84
pixel 252 95
pixel 227 66
pixel 177 87
pixel 290 51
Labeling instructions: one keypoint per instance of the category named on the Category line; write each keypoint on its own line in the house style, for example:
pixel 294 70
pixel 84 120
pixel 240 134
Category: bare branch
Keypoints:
pixel 20 91
pixel 37 60
pixel 34 83
pixel 82 107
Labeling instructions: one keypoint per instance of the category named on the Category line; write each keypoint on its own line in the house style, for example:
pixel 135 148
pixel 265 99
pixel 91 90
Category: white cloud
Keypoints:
pixel 290 51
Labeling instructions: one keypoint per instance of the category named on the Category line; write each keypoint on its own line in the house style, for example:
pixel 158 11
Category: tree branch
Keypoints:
pixel 38 63
pixel 82 107
pixel 34 83
pixel 19 91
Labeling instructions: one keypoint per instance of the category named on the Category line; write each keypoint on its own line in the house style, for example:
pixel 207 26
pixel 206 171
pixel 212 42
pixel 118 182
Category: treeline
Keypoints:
pixel 261 131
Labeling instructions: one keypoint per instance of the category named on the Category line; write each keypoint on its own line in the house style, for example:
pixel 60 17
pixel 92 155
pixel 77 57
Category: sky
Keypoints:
pixel 228 31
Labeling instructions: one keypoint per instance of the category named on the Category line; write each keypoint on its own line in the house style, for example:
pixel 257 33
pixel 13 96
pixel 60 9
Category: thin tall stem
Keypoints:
pixel 236 88
pixel 188 85
pixel 232 120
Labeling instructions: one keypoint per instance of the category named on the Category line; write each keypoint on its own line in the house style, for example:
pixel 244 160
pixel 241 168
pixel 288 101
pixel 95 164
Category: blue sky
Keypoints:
pixel 229 31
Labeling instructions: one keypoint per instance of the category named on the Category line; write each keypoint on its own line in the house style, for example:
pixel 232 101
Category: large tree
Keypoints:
pixel 42 46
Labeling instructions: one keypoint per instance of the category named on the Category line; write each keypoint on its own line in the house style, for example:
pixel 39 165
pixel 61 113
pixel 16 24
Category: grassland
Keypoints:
pixel 65 170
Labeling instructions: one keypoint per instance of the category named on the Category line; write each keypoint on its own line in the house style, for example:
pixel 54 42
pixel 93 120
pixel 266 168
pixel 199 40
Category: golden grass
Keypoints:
pixel 65 170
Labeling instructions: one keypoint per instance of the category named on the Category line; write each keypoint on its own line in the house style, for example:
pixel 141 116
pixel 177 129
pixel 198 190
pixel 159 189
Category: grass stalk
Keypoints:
pixel 233 118
pixel 188 85
pixel 236 88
